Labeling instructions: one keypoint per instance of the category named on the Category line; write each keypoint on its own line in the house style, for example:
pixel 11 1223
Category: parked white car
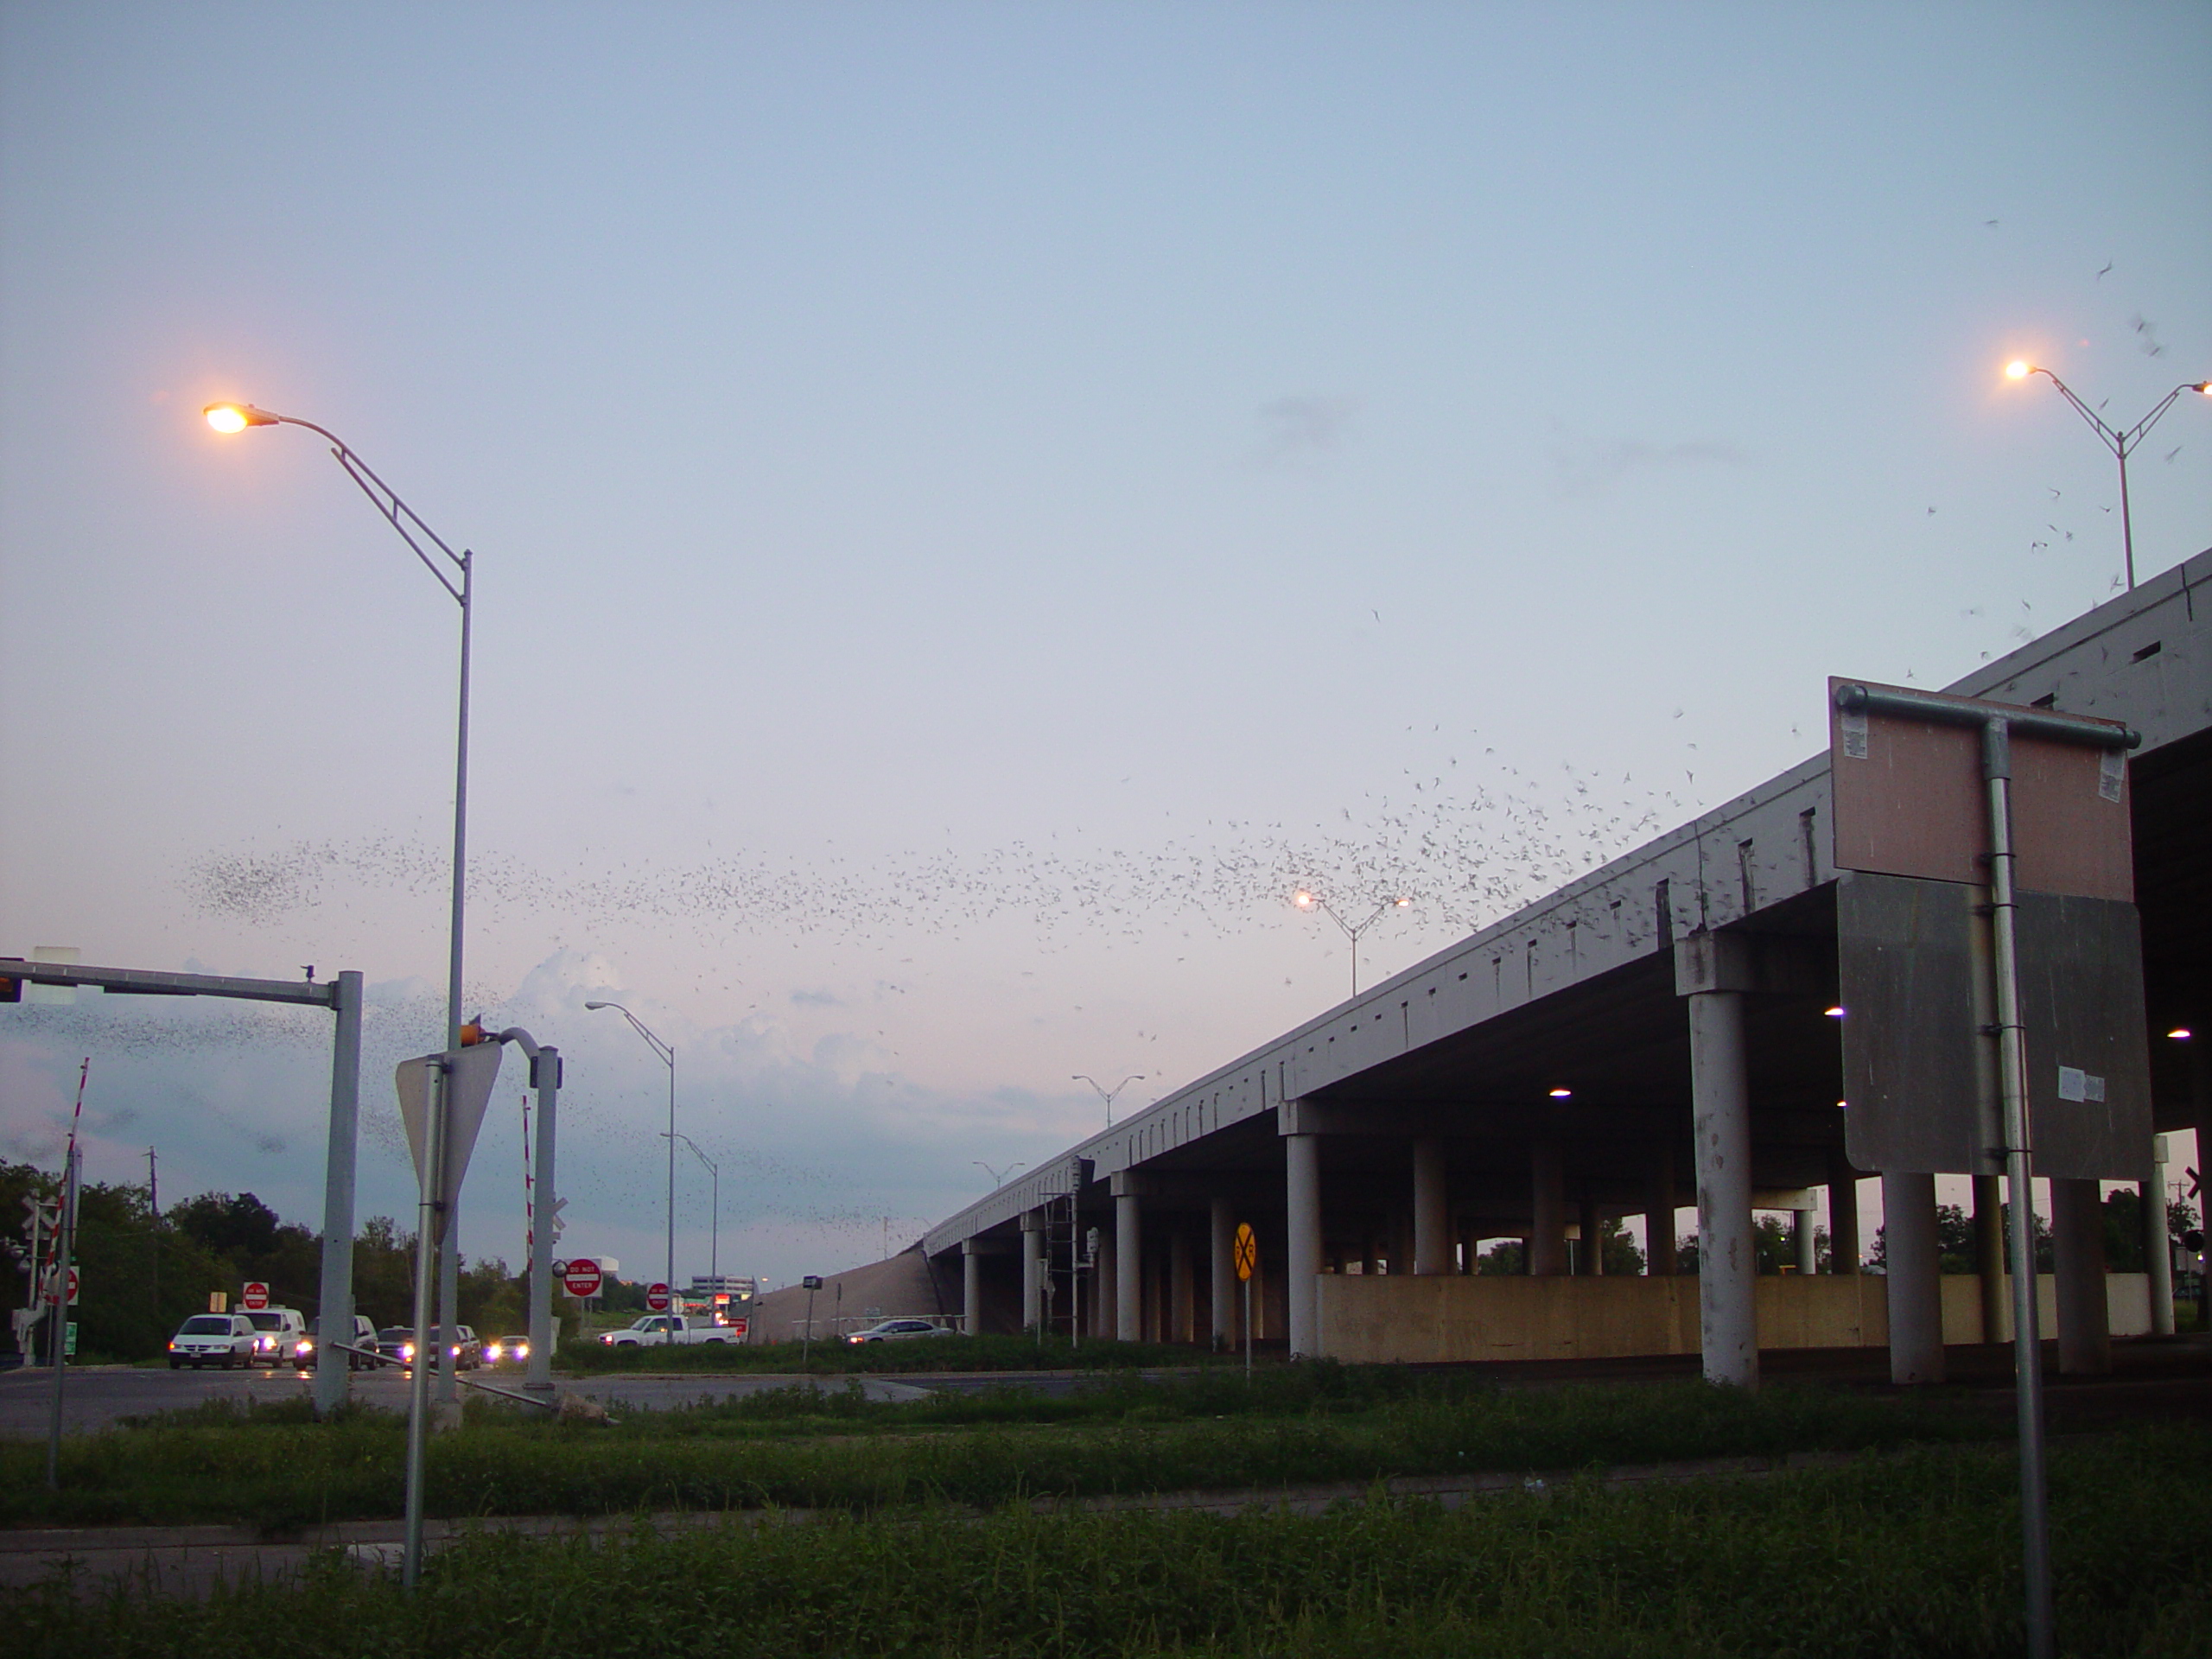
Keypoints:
pixel 224 1339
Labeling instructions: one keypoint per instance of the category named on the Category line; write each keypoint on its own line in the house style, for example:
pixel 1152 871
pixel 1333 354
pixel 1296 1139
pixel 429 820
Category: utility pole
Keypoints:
pixel 154 1228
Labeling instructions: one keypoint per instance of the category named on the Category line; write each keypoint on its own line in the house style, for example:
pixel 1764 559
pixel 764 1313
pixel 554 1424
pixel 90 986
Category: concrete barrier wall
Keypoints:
pixel 2127 1306
pixel 1387 1320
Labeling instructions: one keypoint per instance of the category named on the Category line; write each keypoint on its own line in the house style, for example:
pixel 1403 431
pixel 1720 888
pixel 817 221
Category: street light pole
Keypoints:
pixel 714 1232
pixel 237 417
pixel 1104 1093
pixel 1307 898
pixel 2122 444
pixel 667 1052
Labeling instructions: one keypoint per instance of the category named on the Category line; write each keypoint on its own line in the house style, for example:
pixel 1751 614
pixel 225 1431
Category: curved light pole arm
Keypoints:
pixel 667 1052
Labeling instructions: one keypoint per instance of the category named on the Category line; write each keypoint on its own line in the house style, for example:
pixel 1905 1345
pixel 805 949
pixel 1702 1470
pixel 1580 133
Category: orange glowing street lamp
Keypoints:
pixel 2122 444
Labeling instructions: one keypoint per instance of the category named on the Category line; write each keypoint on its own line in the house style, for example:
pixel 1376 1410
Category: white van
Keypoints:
pixel 225 1339
pixel 278 1331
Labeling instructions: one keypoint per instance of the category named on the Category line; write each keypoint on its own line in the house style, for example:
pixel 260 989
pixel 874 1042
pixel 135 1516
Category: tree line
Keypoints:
pixel 142 1274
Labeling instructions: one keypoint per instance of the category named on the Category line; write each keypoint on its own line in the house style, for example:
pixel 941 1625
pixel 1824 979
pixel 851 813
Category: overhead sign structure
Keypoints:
pixel 1991 969
pixel 656 1297
pixel 1915 954
pixel 470 1074
pixel 255 1297
pixel 580 1277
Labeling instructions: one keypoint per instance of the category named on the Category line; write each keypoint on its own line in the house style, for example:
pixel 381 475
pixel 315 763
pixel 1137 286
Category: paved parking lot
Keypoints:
pixel 96 1395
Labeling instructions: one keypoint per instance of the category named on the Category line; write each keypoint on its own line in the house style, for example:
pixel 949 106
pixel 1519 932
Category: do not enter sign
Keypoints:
pixel 657 1298
pixel 255 1297
pixel 1246 1250
pixel 581 1278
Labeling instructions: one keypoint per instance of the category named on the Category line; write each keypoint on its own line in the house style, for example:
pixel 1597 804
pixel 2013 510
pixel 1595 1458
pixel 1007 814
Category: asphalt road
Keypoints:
pixel 94 1396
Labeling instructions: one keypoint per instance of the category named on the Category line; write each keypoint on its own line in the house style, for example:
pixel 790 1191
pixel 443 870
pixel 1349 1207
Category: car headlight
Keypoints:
pixel 854 1339
pixel 520 1350
pixel 492 1351
pixel 407 1351
pixel 608 1339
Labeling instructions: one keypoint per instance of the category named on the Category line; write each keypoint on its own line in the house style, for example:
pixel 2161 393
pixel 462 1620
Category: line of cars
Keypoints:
pixel 276 1337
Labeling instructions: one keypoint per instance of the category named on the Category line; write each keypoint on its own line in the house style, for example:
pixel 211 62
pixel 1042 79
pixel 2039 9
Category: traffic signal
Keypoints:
pixel 473 1032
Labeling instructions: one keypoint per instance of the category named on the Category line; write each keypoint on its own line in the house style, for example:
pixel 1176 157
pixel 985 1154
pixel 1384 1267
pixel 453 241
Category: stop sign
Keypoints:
pixel 581 1278
pixel 255 1297
pixel 657 1298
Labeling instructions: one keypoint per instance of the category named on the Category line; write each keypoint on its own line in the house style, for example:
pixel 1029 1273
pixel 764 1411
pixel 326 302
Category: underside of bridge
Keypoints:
pixel 1365 1147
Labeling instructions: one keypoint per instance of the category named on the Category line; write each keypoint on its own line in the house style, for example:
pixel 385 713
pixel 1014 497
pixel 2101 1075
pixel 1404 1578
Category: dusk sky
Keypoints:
pixel 972 506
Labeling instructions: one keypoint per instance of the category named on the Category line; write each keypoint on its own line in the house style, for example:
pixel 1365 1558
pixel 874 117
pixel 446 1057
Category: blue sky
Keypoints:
pixel 973 502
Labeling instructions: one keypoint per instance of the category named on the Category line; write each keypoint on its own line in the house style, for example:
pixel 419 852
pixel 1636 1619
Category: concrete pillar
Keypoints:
pixel 1808 1250
pixel 1843 1216
pixel 1432 1208
pixel 1182 1294
pixel 971 1288
pixel 1593 1264
pixel 1128 1266
pixel 1727 1257
pixel 2157 1254
pixel 1302 1249
pixel 1032 1269
pixel 1221 1241
pixel 1914 1263
pixel 1548 1239
pixel 1989 1258
pixel 2077 1246
pixel 1106 1284
pixel 1659 1215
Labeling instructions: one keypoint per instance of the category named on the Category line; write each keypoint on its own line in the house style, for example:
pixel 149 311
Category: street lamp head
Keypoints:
pixel 594 1007
pixel 2203 386
pixel 1302 899
pixel 2019 369
pixel 1402 901
pixel 236 417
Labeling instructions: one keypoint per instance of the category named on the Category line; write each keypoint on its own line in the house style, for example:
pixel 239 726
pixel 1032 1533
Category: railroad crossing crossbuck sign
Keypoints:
pixel 1246 1250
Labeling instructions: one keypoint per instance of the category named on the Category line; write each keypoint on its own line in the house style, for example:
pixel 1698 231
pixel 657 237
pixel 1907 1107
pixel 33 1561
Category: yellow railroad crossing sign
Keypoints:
pixel 1246 1250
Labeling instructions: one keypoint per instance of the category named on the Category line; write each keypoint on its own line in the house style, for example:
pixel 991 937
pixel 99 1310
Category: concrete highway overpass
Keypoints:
pixel 1372 1149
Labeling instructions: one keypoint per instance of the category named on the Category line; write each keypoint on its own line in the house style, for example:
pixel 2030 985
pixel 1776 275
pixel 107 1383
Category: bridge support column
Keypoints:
pixel 1302 1249
pixel 1432 1208
pixel 1843 1216
pixel 1989 1258
pixel 2158 1255
pixel 1659 1257
pixel 1105 1285
pixel 1547 1238
pixel 2077 1248
pixel 1221 1241
pixel 1912 1259
pixel 1129 1262
pixel 1181 1323
pixel 1032 1269
pixel 971 1288
pixel 1727 1258
pixel 1592 1252
pixel 1801 1235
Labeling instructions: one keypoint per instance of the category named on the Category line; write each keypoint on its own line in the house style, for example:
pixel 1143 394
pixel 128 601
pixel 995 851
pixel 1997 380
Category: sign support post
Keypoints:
pixel 429 1216
pixel 1996 726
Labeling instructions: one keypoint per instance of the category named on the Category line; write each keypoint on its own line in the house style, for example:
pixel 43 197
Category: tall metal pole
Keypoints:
pixel 670 1281
pixel 460 811
pixel 334 1315
pixel 419 1391
pixel 2120 444
pixel 545 1071
pixel 2013 1080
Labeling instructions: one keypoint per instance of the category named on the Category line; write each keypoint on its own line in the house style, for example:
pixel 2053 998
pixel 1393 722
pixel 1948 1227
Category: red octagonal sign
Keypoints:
pixel 582 1277
pixel 657 1298
pixel 257 1295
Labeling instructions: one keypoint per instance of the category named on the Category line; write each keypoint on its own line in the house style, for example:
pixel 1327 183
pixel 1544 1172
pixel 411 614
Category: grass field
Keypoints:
pixel 1913 1555
pixel 832 1358
pixel 799 1447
